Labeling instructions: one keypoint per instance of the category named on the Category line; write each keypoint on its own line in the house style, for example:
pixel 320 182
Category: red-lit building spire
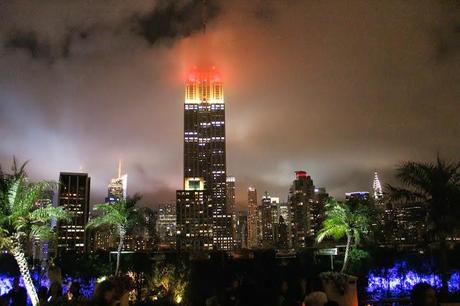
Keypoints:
pixel 204 86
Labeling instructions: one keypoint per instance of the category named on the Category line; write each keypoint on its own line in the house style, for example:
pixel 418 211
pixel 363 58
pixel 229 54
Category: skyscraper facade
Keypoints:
pixel 268 213
pixel 166 225
pixel 231 201
pixel 231 194
pixel 204 157
pixel 117 188
pixel 241 234
pixel 282 234
pixel 357 196
pixel 282 226
pixel 74 191
pixel 145 236
pixel 318 210
pixel 194 220
pixel 301 197
pixel 252 218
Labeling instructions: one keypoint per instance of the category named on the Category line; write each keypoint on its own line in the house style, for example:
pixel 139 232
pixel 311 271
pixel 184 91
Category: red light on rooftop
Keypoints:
pixel 300 174
pixel 204 75
pixel 216 77
pixel 191 77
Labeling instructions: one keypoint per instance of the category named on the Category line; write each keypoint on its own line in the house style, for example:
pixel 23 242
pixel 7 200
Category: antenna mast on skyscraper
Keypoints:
pixel 119 168
pixel 204 15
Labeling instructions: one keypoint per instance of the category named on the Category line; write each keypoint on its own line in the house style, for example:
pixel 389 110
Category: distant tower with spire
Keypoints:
pixel 117 188
pixel 377 187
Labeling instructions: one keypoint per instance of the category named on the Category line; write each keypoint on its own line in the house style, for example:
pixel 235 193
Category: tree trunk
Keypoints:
pixel 444 268
pixel 120 246
pixel 24 270
pixel 347 251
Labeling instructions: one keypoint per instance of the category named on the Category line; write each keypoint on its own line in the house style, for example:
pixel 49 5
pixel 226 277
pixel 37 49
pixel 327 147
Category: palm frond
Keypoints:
pixel 13 194
pixel 35 192
pixel 416 175
pixel 41 231
pixel 121 214
pixel 45 214
pixel 405 195
pixel 435 186
pixel 18 171
pixel 334 232
pixel 344 219
pixel 103 220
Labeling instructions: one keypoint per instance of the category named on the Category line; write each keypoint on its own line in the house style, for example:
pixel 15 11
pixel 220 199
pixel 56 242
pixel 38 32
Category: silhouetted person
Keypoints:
pixel 303 287
pixel 4 300
pixel 283 296
pixel 423 295
pixel 316 295
pixel 218 299
pixel 55 294
pixel 74 295
pixel 104 294
pixel 42 294
pixel 247 295
pixel 233 293
pixel 17 295
pixel 122 286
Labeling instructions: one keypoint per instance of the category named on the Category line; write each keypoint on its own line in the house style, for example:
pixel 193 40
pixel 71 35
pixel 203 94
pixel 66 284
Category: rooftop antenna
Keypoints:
pixel 204 15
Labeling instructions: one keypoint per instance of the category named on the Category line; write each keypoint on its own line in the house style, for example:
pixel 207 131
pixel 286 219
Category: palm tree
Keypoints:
pixel 436 186
pixel 349 220
pixel 21 221
pixel 120 216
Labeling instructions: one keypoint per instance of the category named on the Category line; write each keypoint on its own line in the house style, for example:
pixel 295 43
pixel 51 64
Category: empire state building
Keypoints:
pixel 203 220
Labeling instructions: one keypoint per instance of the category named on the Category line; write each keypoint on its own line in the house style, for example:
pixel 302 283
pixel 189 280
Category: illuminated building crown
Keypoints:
pixel 377 187
pixel 204 87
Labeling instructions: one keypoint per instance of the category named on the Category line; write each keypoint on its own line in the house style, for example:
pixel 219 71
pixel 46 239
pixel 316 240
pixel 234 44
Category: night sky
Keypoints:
pixel 337 88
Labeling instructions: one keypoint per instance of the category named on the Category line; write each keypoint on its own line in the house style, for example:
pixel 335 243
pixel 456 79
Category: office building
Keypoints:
pixel 118 187
pixel 241 235
pixel 194 218
pixel 204 164
pixel 269 217
pixel 231 202
pixel 357 195
pixel 252 218
pixel 73 196
pixel 318 210
pixel 166 225
pixel 301 197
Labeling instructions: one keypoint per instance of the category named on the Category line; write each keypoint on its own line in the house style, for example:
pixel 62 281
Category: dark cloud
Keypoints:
pixel 448 43
pixel 29 42
pixel 176 19
pixel 338 88
pixel 163 21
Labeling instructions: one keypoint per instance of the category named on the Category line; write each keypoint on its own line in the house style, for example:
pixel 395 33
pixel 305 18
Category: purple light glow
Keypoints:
pixel 399 280
pixel 87 287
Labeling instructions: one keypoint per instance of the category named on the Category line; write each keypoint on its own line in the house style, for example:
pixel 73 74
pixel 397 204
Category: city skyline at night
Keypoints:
pixel 278 153
pixel 301 93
